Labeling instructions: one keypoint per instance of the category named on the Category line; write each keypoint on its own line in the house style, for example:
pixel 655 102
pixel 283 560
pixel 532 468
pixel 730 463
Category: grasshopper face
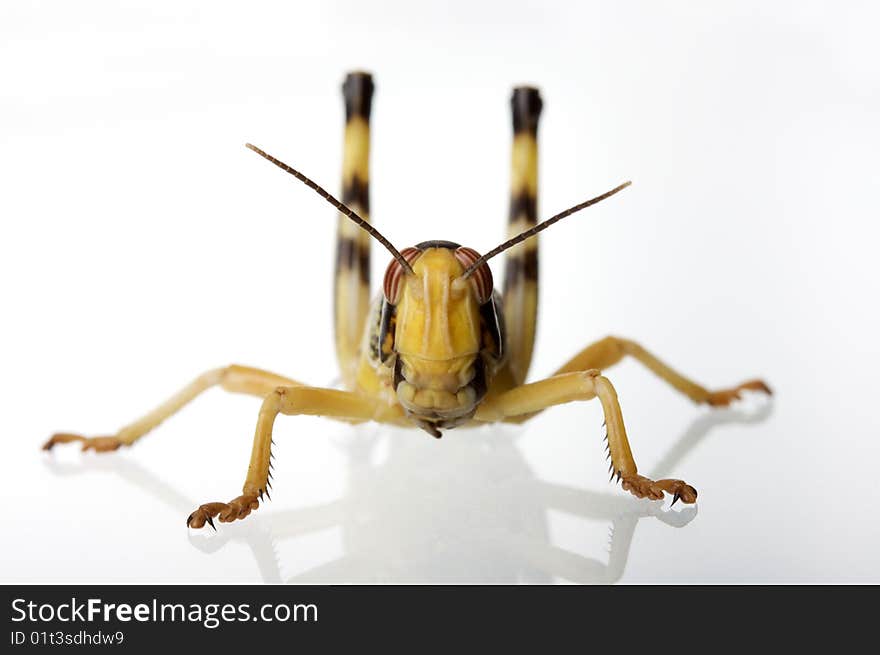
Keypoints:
pixel 438 335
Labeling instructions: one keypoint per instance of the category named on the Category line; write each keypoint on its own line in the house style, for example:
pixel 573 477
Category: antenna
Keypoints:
pixel 528 234
pixel 344 209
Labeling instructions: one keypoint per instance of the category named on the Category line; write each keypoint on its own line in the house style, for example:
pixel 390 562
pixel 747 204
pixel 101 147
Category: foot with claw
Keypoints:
pixel 98 444
pixel 724 397
pixel 642 487
pixel 235 509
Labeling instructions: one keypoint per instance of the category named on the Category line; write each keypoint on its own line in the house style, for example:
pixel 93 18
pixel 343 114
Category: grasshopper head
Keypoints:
pixel 438 333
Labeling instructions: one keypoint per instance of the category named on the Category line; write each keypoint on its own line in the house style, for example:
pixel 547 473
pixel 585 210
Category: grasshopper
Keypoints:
pixel 439 347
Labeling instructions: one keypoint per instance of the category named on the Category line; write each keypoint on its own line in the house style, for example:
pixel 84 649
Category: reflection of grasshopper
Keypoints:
pixel 492 526
pixel 439 347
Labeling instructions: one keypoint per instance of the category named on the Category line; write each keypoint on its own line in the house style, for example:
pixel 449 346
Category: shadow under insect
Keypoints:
pixel 471 510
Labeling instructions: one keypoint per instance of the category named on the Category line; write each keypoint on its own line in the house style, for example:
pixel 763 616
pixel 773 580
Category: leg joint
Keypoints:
pixel 274 401
pixel 620 345
pixel 588 380
pixel 214 376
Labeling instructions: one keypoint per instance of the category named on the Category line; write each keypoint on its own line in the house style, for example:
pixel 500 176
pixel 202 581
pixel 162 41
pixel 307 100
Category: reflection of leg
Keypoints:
pixel 582 503
pixel 622 530
pixel 129 470
pixel 610 350
pixel 591 571
pixel 529 399
pixel 529 548
pixel 306 520
pixel 559 562
pixel 236 379
pixel 331 403
pixel 700 427
pixel 346 569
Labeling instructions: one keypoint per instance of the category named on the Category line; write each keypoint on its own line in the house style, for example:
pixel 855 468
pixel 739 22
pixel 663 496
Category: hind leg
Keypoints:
pixel 236 379
pixel 520 289
pixel 351 286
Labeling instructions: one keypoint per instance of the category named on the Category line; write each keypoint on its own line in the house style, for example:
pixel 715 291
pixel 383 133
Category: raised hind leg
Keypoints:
pixel 237 379
pixel 521 262
pixel 352 275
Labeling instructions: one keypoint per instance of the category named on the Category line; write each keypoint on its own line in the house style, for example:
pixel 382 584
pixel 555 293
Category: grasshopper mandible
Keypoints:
pixel 439 347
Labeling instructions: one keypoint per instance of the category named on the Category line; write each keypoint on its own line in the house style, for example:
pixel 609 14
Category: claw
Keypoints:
pixel 675 498
pixel 235 509
pixel 725 397
pixel 98 444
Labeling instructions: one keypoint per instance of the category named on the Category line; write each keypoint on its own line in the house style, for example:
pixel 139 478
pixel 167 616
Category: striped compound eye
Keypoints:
pixel 481 279
pixel 394 274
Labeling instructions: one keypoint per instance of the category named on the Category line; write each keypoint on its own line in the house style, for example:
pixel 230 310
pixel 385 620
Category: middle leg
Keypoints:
pixel 235 379
pixel 610 350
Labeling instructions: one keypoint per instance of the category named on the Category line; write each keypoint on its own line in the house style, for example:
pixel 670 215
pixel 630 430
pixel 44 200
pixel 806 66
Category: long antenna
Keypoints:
pixel 519 238
pixel 343 209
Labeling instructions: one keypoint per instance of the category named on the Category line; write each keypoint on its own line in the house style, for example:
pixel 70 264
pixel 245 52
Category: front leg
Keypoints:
pixel 528 399
pixel 343 405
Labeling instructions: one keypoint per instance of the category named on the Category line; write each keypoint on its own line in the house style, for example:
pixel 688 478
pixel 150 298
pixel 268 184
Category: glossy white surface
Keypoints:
pixel 142 244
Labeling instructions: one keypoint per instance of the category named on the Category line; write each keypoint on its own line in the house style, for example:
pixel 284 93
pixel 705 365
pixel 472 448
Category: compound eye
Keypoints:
pixel 394 274
pixel 481 279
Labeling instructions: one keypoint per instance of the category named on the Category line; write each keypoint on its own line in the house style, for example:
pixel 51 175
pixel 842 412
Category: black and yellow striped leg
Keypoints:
pixel 521 268
pixel 352 275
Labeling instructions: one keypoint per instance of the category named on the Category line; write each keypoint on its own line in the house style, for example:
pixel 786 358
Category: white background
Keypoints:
pixel 142 244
